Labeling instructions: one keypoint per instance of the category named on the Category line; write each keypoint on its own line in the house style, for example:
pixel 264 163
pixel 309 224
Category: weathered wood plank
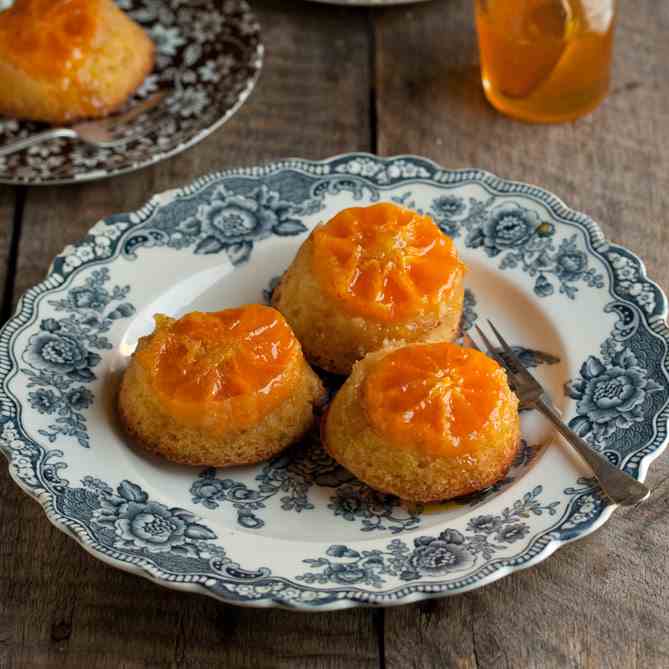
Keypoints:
pixel 7 204
pixel 602 601
pixel 59 606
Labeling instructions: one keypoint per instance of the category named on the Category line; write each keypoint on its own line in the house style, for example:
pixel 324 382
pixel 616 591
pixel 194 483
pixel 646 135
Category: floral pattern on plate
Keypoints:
pixel 519 236
pixel 62 355
pixel 450 551
pixel 253 543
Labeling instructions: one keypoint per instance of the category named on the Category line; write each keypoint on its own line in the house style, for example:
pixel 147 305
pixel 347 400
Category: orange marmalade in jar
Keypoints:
pixel 545 61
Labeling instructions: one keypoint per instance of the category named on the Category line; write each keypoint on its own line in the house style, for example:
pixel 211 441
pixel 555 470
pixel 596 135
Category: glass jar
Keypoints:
pixel 545 61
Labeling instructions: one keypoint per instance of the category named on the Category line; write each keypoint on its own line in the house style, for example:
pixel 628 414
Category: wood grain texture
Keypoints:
pixel 7 204
pixel 602 601
pixel 59 606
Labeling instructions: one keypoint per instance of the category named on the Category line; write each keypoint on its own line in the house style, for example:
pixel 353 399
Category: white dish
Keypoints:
pixel 300 531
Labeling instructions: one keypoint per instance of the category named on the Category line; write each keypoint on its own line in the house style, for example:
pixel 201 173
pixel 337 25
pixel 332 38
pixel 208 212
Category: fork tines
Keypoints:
pixel 506 355
pixel 492 351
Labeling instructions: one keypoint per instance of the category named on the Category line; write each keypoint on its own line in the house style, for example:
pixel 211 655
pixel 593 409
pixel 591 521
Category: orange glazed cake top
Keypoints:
pixel 384 262
pixel 49 38
pixel 228 367
pixel 433 397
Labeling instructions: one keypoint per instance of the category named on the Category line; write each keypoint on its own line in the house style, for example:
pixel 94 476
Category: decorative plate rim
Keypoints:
pixel 257 61
pixel 395 595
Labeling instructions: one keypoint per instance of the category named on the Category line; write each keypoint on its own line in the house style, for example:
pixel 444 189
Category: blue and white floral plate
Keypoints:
pixel 300 531
pixel 208 58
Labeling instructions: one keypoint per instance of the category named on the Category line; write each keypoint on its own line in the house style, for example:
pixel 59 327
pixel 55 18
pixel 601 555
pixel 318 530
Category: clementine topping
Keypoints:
pixel 433 396
pixel 384 262
pixel 232 365
pixel 49 37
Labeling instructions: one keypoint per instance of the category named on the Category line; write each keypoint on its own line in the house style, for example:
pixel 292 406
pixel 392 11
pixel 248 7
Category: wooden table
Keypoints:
pixel 403 80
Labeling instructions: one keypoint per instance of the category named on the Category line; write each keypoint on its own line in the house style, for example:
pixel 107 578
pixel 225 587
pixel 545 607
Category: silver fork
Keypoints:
pixel 620 487
pixel 102 133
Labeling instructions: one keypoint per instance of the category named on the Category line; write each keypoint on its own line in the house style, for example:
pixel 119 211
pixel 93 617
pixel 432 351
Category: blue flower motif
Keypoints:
pixel 341 551
pixel 570 264
pixel 43 400
pixel 543 287
pixel 89 297
pixel 152 526
pixel 79 398
pixel 349 506
pixel 141 524
pixel 210 492
pixel 508 226
pixel 438 555
pixel 50 325
pixel 62 354
pixel 609 397
pixel 444 210
pixel 486 524
pixel 448 206
pixel 512 533
pixel 354 500
pixel 233 222
pixel 363 569
pixel 206 491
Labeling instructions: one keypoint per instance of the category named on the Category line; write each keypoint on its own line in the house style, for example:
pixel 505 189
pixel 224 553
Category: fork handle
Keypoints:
pixel 620 487
pixel 53 133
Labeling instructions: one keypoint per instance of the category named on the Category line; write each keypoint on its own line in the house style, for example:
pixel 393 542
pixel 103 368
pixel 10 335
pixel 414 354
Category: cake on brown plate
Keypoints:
pixel 425 422
pixel 63 60
pixel 219 389
pixel 371 277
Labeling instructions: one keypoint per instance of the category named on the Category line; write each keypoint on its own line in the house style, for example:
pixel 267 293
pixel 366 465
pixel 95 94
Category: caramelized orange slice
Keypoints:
pixel 49 37
pixel 230 366
pixel 384 262
pixel 433 396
